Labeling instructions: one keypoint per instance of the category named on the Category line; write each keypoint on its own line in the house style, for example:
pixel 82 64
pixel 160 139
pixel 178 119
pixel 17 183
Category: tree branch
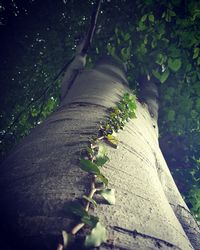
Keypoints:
pixel 91 30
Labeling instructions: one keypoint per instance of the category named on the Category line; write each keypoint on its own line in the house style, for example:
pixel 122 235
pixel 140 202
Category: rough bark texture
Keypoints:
pixel 43 173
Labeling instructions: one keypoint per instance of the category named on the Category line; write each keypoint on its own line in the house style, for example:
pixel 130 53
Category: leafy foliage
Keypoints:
pixel 194 198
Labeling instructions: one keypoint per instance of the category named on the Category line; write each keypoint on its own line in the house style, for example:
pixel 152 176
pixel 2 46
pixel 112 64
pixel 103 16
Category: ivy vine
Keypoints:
pixel 92 159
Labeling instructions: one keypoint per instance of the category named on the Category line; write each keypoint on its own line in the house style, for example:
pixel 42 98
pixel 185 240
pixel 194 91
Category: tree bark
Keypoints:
pixel 42 174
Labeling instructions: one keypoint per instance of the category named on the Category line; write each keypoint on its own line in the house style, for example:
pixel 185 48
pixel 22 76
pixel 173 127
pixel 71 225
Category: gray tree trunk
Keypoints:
pixel 43 173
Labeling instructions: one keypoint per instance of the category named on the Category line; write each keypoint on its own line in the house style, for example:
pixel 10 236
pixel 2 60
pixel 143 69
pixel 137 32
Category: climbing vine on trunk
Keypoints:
pixel 92 159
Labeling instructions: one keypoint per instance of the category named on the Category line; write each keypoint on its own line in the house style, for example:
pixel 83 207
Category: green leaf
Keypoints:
pixel 132 106
pixel 188 67
pixel 97 236
pixel 126 97
pixel 100 161
pixel 101 150
pixel 121 106
pixel 109 195
pixel 143 19
pixel 89 166
pixel 90 220
pixel 125 52
pixel 164 76
pixel 74 208
pixel 160 59
pixel 141 26
pixel 172 13
pixel 174 64
pixel 151 18
pixel 196 53
pixel 156 74
pixel 112 140
pixel 103 179
pixel 161 77
pixel 90 200
pixel 127 36
pixel 132 115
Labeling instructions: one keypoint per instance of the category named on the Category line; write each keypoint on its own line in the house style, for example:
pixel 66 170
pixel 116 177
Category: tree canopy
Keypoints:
pixel 159 39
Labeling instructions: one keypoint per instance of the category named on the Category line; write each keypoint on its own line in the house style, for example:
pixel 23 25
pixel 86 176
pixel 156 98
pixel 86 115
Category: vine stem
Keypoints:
pixel 101 138
pixel 91 194
pixel 79 226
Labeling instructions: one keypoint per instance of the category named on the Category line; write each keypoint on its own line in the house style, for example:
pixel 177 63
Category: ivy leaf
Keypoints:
pixel 89 166
pixel 196 53
pixel 109 195
pixel 74 208
pixel 161 59
pixel 156 74
pixel 90 200
pixel 125 52
pixel 126 97
pixel 101 150
pixel 161 77
pixel 132 115
pixel 90 220
pixel 132 106
pixel 188 67
pixel 103 179
pixel 112 140
pixel 97 236
pixel 164 76
pixel 174 64
pixel 100 161
pixel 143 19
pixel 151 18
pixel 121 106
pixel 127 36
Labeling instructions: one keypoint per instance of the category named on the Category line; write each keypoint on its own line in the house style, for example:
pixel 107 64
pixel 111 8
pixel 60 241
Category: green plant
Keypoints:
pixel 93 158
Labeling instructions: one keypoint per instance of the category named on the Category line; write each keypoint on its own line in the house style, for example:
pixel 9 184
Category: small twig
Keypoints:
pixel 91 194
pixel 92 27
pixel 80 225
pixel 101 138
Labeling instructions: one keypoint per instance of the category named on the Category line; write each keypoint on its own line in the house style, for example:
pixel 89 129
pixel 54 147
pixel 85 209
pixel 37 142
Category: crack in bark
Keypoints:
pixel 83 104
pixel 75 143
pixel 141 136
pixel 115 247
pixel 134 152
pixel 62 119
pixel 135 233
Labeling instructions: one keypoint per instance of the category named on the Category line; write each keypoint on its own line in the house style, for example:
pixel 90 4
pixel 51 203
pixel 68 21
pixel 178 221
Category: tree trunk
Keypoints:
pixel 42 174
